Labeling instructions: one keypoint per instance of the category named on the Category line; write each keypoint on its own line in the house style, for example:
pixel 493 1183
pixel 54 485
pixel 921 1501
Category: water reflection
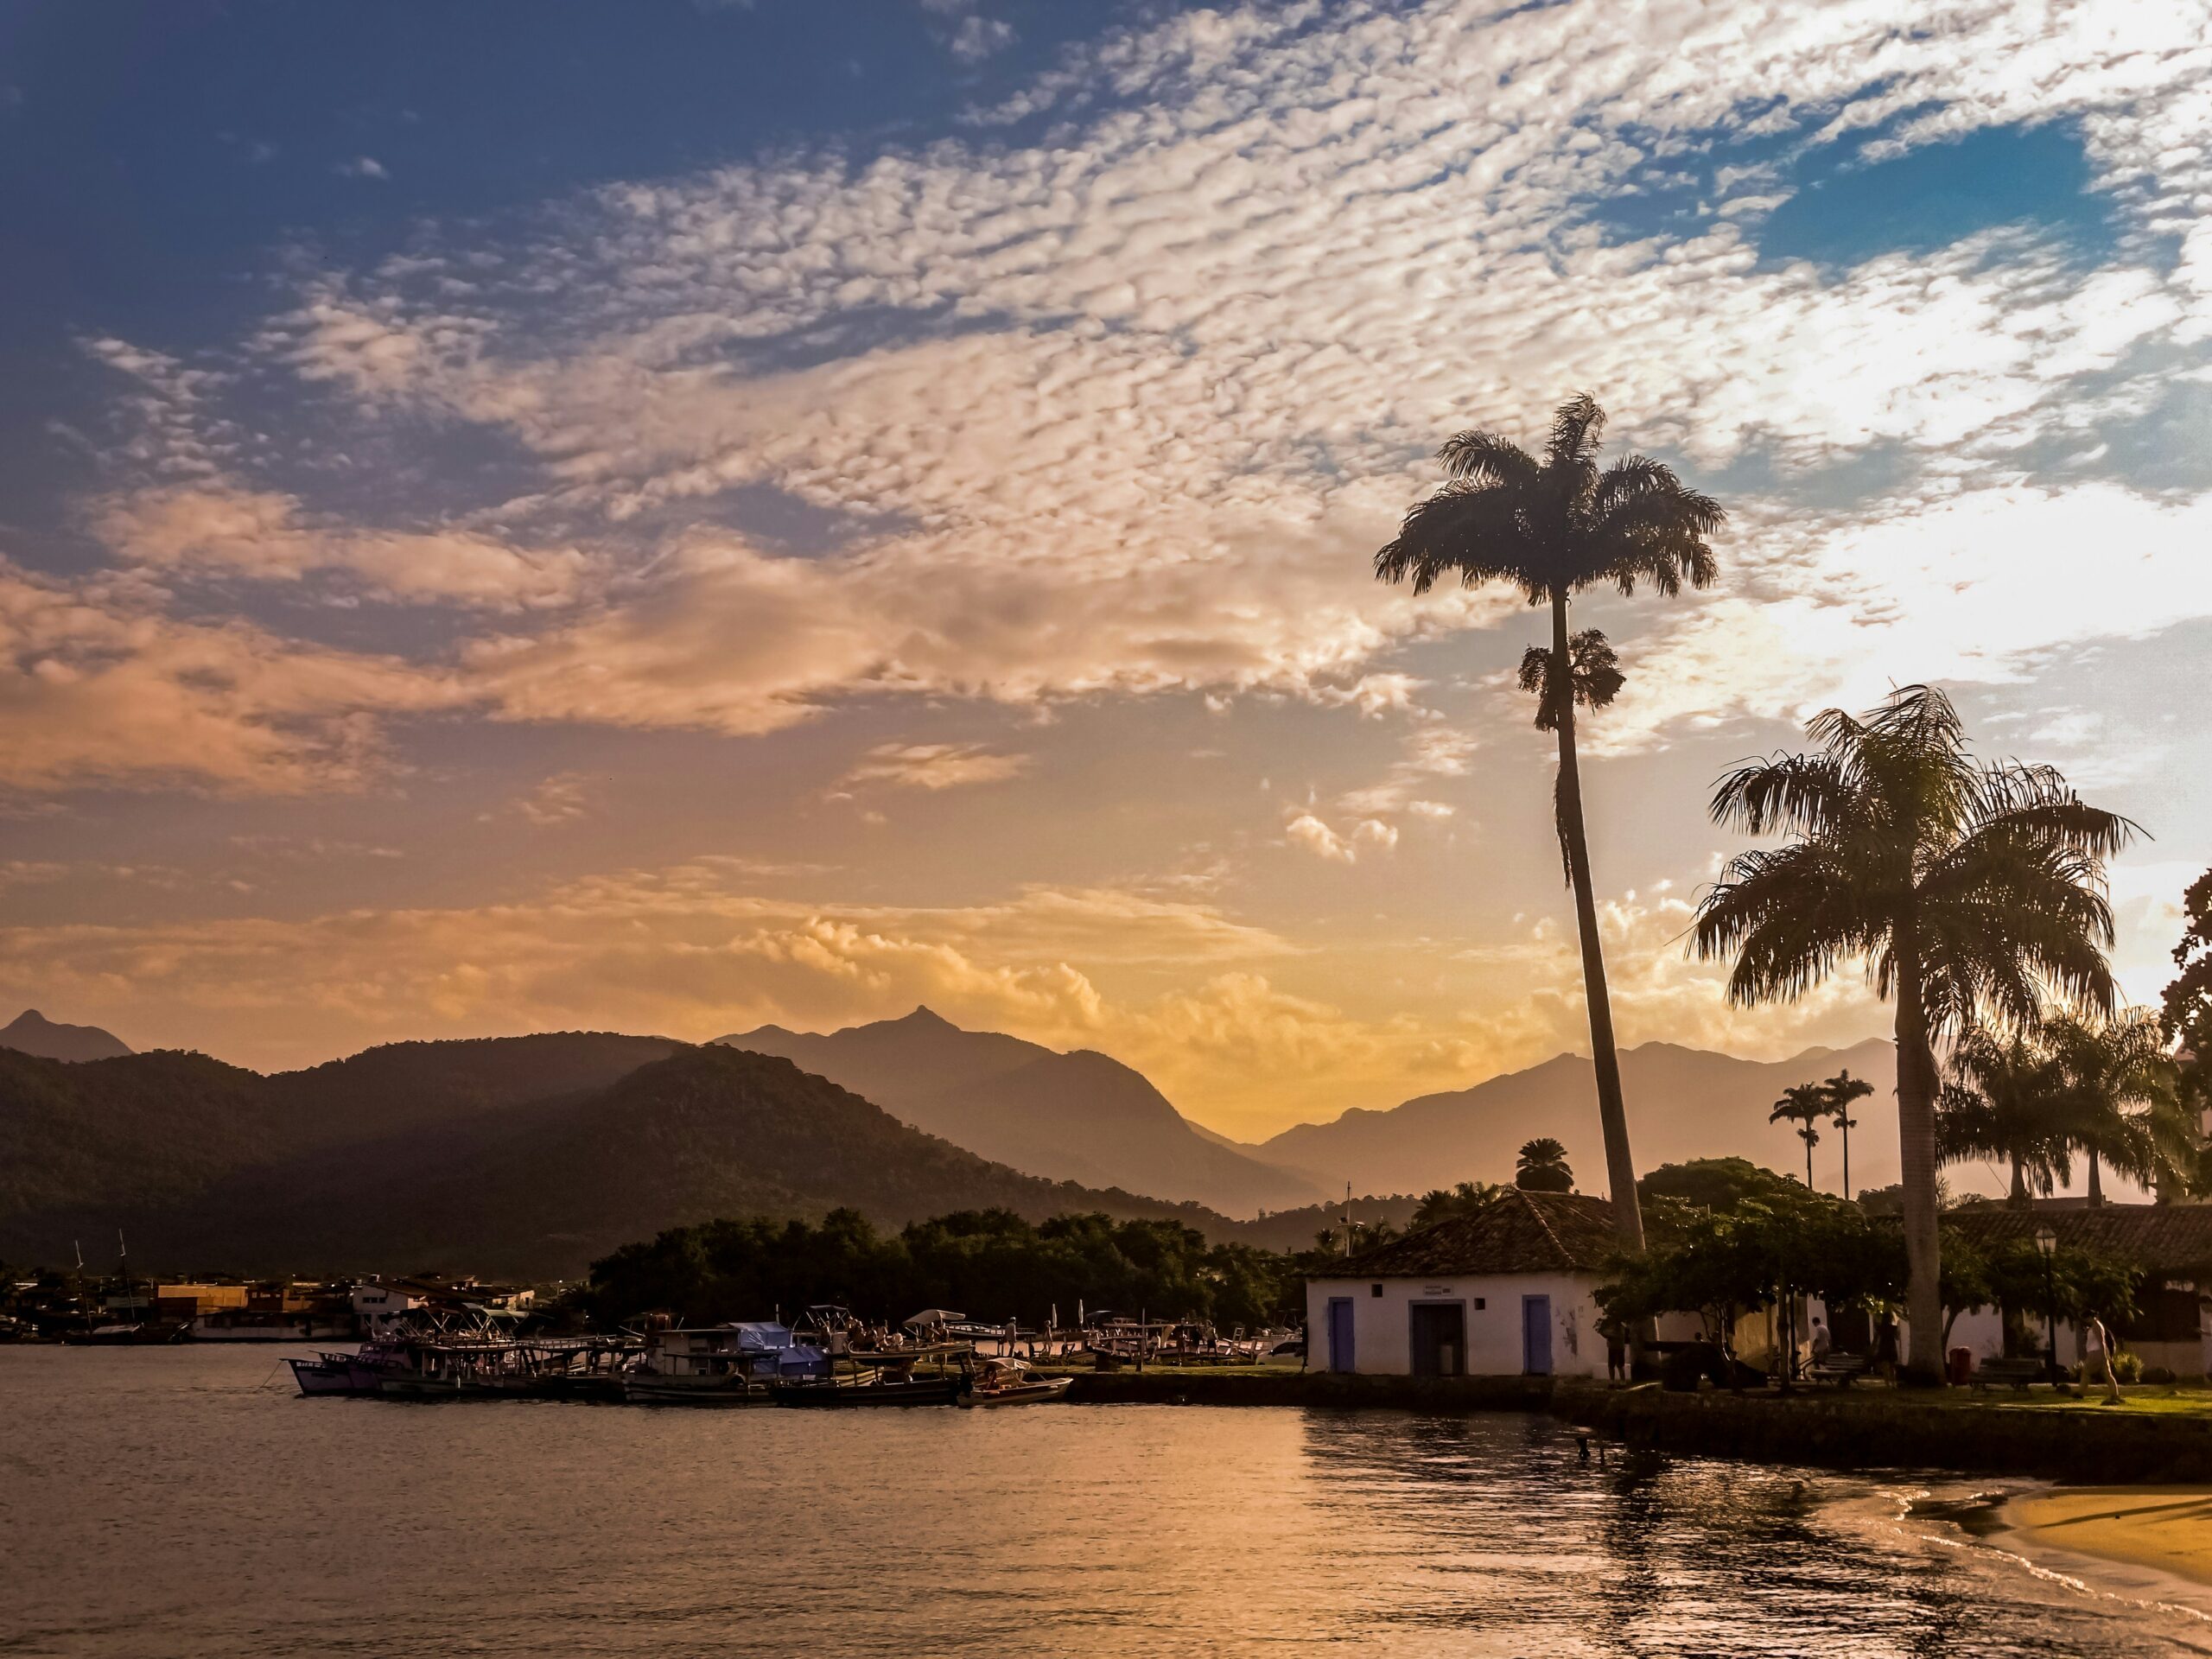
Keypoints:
pixel 162 1503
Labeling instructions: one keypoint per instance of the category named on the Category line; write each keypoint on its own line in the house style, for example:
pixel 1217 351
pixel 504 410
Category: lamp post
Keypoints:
pixel 2047 1241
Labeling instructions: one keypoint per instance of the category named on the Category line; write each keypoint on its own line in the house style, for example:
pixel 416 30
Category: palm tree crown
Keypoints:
pixel 1973 893
pixel 1804 1104
pixel 1554 527
pixel 2126 1093
pixel 2008 1098
pixel 1541 1167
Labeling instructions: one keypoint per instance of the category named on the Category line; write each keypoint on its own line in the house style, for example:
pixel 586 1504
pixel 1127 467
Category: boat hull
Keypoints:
pixel 644 1389
pixel 1021 1393
pixel 875 1395
pixel 333 1375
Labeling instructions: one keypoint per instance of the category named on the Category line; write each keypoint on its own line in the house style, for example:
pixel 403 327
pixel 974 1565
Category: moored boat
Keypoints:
pixel 734 1364
pixel 1009 1381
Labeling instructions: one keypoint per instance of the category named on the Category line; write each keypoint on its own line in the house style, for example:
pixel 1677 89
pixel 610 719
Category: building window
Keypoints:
pixel 1375 1290
pixel 1478 1304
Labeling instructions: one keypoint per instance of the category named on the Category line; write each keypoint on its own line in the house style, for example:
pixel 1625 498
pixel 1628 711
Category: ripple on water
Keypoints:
pixel 183 1503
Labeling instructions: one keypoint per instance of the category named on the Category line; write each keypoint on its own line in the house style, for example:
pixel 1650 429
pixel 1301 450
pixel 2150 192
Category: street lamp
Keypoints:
pixel 2047 1241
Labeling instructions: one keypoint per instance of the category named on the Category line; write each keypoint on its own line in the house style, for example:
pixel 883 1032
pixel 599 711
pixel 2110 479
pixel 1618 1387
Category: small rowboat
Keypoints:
pixel 1011 1383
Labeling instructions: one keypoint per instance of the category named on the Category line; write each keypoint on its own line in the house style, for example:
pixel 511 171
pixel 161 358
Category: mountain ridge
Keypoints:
pixel 1683 1103
pixel 32 1033
pixel 536 1188
pixel 1079 1115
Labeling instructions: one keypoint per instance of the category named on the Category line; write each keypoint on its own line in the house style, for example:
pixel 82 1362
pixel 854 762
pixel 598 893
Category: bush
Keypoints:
pixel 2126 1367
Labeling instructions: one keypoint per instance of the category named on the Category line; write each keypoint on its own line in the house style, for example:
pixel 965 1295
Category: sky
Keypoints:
pixel 676 517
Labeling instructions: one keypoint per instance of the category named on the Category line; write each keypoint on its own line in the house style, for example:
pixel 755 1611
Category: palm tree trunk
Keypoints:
pixel 1846 1127
pixel 1917 1153
pixel 1808 1165
pixel 2018 1197
pixel 2097 1183
pixel 1612 1112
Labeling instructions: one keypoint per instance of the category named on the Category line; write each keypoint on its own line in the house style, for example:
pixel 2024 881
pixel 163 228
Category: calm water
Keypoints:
pixel 184 1502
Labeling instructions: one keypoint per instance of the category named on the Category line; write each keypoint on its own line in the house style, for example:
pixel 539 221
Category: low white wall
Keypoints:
pixel 1382 1325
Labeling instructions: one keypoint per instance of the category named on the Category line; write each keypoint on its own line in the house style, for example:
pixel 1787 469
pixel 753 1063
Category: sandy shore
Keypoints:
pixel 2166 1530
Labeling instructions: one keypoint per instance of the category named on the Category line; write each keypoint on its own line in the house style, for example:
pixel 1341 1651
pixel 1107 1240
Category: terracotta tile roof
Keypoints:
pixel 1514 1232
pixel 2175 1238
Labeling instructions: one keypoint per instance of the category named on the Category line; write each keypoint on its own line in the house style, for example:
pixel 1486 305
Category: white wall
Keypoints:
pixel 1382 1325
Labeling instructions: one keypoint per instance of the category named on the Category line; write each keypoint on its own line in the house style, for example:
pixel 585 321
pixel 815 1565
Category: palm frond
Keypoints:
pixel 1576 426
pixel 1808 794
pixel 1475 457
pixel 1593 674
pixel 1480 532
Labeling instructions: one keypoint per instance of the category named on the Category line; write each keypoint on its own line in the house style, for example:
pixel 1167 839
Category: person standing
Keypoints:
pixel 1822 1341
pixel 2097 1356
pixel 1616 1351
pixel 1886 1346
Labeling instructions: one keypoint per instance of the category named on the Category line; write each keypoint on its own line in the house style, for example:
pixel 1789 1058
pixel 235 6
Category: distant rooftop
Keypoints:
pixel 1517 1232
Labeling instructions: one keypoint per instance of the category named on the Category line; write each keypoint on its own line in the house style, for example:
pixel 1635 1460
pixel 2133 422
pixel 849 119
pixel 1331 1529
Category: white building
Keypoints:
pixel 1504 1290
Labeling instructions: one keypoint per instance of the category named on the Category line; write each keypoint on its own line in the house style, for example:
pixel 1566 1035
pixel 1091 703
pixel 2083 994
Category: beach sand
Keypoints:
pixel 2166 1529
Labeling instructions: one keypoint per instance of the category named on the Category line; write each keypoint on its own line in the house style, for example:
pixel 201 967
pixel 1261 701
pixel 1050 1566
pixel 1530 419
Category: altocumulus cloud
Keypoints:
pixel 1170 333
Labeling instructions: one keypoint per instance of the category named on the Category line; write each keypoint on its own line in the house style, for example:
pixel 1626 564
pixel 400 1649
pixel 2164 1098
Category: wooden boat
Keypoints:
pixel 1009 1381
pixel 840 1394
pixel 734 1364
pixel 886 1376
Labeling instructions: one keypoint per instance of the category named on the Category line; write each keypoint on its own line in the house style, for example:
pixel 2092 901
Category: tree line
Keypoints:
pixel 991 1264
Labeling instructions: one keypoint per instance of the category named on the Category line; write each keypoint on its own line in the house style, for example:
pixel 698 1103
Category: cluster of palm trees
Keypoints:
pixel 2107 1091
pixel 1809 1105
pixel 1971 894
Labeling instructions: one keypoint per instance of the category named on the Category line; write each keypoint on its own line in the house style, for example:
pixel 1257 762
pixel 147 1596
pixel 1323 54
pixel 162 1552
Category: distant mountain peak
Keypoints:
pixel 925 1017
pixel 32 1033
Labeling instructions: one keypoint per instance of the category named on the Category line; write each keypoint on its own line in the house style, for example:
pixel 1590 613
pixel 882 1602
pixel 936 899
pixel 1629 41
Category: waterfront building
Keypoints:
pixel 2172 1243
pixel 1506 1290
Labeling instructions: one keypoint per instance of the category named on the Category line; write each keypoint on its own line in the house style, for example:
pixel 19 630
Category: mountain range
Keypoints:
pixel 1682 1103
pixel 528 1156
pixel 1079 1116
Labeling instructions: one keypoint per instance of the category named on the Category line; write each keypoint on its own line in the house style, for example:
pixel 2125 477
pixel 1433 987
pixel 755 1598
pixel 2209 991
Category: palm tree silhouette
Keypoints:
pixel 1804 1104
pixel 1541 1167
pixel 1843 1089
pixel 2127 1097
pixel 2008 1098
pixel 1972 893
pixel 1553 528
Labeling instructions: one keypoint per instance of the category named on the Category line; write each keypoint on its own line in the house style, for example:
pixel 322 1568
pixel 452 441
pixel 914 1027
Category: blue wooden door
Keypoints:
pixel 1536 1335
pixel 1340 1333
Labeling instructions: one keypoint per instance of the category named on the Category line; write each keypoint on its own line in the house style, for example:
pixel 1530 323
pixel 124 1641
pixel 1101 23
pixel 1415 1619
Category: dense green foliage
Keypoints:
pixel 1723 1263
pixel 991 1264
pixel 1724 1185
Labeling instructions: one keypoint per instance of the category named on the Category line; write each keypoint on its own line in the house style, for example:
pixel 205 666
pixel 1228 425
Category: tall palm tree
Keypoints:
pixel 1541 1167
pixel 1842 1089
pixel 1553 528
pixel 2127 1094
pixel 1804 1104
pixel 1973 893
pixel 2008 1098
